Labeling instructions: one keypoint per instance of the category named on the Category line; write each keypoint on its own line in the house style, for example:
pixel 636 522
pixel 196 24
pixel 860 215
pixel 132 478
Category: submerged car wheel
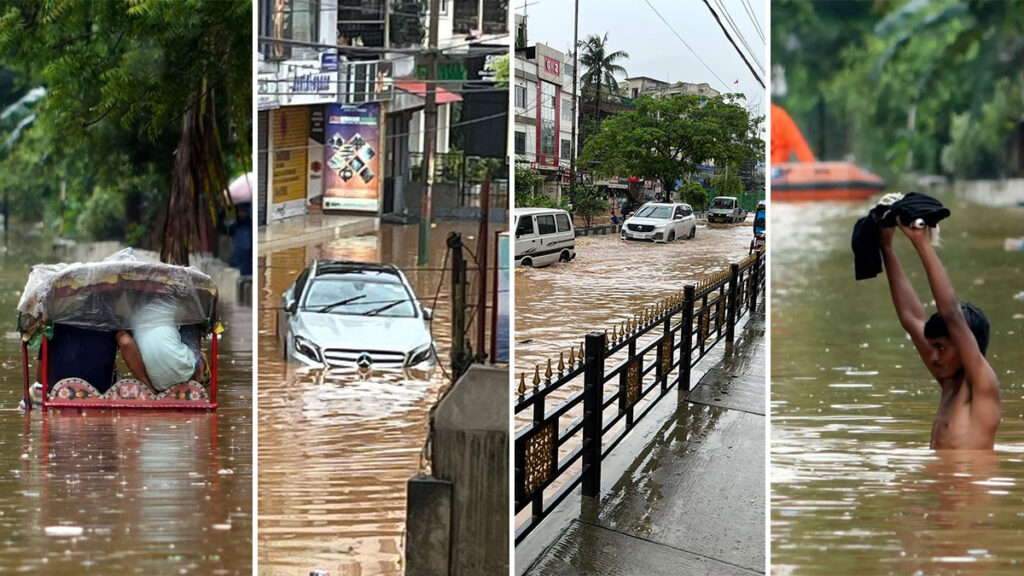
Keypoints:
pixel 671 236
pixel 693 231
pixel 527 263
pixel 564 256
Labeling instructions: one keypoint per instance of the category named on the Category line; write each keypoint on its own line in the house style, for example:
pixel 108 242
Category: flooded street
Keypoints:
pixel 558 305
pixel 335 450
pixel 129 492
pixel 852 405
pixel 608 282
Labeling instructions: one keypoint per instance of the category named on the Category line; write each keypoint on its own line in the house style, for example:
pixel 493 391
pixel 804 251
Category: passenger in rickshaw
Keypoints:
pixel 156 351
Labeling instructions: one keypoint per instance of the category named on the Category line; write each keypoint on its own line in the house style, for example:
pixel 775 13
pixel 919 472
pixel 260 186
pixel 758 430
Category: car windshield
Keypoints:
pixel 359 296
pixel 660 212
pixel 721 203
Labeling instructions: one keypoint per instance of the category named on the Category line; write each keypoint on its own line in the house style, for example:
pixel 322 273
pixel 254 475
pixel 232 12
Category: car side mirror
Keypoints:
pixel 428 314
pixel 290 304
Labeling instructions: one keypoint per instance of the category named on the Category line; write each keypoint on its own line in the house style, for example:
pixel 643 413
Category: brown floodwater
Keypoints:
pixel 855 489
pixel 335 450
pixel 151 492
pixel 609 280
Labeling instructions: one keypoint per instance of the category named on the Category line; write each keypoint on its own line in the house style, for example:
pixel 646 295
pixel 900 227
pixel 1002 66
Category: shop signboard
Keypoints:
pixel 303 82
pixel 291 131
pixel 352 150
pixel 267 91
pixel 315 152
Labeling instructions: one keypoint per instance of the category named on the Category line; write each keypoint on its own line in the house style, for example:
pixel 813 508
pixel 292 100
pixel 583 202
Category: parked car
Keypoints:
pixel 354 314
pixel 726 210
pixel 543 236
pixel 660 222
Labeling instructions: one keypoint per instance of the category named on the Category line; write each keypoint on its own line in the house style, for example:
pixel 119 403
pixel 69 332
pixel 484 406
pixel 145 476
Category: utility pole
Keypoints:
pixel 575 98
pixel 482 253
pixel 429 133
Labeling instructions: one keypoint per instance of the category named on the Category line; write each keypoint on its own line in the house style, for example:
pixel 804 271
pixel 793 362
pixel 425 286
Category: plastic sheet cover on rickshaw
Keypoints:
pixel 107 295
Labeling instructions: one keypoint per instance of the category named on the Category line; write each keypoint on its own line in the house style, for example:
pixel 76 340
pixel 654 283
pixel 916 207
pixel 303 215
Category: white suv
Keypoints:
pixel 657 222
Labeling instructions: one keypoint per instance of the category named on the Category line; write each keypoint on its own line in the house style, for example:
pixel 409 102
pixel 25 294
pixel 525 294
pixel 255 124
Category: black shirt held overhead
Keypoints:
pixel 867 251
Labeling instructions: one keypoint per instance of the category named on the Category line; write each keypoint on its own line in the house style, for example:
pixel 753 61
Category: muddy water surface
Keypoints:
pixel 558 305
pixel 336 450
pixel 855 489
pixel 134 492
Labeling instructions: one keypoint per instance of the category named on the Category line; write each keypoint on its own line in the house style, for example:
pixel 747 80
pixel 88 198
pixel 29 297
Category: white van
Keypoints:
pixel 543 236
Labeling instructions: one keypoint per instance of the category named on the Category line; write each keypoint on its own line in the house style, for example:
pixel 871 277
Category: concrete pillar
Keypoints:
pixel 471 450
pixel 428 520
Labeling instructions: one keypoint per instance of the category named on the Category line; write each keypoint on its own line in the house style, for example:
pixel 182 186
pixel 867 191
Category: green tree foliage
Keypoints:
pixel 667 138
pixel 102 217
pixel 728 183
pixel 600 67
pixel 695 195
pixel 588 203
pixel 141 95
pixel 896 84
pixel 527 180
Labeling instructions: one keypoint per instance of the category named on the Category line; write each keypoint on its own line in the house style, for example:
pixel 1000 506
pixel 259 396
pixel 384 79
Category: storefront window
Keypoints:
pixel 548 115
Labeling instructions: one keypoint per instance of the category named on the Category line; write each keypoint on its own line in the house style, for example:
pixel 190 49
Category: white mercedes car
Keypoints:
pixel 657 222
pixel 354 315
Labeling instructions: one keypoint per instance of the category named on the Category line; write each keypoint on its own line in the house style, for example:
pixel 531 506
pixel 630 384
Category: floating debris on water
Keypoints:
pixel 63 531
pixel 225 471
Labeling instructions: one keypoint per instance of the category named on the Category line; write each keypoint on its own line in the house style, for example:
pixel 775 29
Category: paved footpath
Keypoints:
pixel 692 500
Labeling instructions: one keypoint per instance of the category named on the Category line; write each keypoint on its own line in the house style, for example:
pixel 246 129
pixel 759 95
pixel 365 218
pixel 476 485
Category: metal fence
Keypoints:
pixel 624 373
pixel 466 174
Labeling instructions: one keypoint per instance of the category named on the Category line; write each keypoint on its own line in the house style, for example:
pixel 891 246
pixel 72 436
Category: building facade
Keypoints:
pixel 544 105
pixel 341 98
pixel 638 85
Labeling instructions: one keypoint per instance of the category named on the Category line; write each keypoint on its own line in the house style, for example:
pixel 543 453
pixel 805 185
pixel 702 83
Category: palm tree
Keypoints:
pixel 601 66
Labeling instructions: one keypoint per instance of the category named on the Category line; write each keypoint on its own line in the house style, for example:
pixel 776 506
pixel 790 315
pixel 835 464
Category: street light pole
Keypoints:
pixel 575 99
pixel 429 134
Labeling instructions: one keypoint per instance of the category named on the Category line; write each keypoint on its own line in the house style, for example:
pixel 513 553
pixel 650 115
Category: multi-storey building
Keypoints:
pixel 341 98
pixel 544 108
pixel 638 85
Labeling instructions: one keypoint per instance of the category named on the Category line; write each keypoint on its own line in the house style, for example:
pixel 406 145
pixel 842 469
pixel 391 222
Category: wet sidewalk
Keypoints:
pixel 312 227
pixel 689 495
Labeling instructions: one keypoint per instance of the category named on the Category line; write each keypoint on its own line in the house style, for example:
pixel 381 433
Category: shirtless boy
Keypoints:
pixel 952 344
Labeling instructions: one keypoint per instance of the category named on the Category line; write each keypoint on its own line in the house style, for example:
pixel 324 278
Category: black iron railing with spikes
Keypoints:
pixel 584 404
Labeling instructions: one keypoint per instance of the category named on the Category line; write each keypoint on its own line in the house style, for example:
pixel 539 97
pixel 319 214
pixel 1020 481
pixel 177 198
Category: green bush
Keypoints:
pixel 695 195
pixel 102 216
pixel 589 203
pixel 527 180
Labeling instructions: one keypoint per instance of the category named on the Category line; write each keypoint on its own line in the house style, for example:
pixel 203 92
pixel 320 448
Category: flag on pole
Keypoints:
pixel 737 81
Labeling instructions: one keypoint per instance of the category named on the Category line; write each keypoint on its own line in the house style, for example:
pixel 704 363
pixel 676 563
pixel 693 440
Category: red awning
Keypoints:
pixel 420 89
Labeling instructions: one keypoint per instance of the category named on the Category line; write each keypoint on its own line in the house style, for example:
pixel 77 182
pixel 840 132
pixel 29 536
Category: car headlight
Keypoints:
pixel 420 355
pixel 307 349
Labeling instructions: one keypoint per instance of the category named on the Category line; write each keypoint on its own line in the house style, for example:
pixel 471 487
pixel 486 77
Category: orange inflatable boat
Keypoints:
pixel 823 181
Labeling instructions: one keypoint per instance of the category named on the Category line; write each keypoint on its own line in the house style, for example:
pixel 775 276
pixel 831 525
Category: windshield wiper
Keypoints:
pixel 388 306
pixel 330 307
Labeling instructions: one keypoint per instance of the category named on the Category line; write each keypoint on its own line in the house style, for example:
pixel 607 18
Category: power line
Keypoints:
pixel 692 51
pixel 757 25
pixel 475 43
pixel 731 41
pixel 736 30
